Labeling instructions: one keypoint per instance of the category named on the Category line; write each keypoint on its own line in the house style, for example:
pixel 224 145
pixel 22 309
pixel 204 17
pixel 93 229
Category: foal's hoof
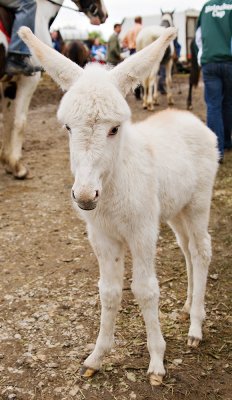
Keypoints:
pixel 193 342
pixel 184 316
pixel 155 380
pixel 87 372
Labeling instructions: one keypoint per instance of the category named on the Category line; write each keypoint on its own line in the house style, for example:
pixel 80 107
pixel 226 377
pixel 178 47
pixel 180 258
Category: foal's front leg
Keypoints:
pixel 110 254
pixel 146 290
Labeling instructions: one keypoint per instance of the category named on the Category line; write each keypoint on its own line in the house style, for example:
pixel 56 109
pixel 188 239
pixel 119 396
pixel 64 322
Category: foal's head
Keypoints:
pixel 94 110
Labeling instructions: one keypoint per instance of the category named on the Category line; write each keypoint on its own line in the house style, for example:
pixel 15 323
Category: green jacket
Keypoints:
pixel 113 50
pixel 214 32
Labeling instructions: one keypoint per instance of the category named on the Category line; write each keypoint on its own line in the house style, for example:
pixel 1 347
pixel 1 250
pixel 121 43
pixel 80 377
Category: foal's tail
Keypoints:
pixel 195 69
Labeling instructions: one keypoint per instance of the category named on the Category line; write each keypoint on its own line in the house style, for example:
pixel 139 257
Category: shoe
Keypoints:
pixel 18 64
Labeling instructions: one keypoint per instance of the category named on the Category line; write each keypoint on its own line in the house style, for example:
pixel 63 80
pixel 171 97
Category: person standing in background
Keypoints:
pixel 214 41
pixel 129 40
pixel 114 50
pixel 57 41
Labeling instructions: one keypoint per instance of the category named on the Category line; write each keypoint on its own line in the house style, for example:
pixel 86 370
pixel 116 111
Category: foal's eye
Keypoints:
pixel 113 131
pixel 68 128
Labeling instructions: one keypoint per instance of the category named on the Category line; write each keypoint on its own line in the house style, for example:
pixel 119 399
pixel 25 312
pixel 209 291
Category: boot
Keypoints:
pixel 19 64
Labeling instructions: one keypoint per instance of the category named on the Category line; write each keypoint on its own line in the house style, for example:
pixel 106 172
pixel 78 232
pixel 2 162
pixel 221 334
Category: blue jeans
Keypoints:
pixel 24 16
pixel 218 97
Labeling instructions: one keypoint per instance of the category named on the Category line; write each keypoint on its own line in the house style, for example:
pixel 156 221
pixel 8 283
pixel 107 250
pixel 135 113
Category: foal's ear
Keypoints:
pixel 60 68
pixel 128 74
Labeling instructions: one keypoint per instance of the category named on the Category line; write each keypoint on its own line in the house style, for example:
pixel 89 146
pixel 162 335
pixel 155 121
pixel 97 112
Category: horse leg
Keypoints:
pixel 189 99
pixel 155 94
pixel 16 101
pixel 145 90
pixel 150 105
pixel 169 81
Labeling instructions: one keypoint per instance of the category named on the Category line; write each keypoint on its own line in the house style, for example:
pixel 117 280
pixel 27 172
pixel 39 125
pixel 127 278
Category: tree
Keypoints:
pixel 94 34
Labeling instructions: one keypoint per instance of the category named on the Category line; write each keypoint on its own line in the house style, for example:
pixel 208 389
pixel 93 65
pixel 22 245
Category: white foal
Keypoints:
pixel 128 177
pixel 17 94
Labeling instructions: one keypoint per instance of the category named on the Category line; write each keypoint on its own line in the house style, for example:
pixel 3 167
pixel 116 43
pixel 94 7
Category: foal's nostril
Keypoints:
pixel 73 195
pixel 96 194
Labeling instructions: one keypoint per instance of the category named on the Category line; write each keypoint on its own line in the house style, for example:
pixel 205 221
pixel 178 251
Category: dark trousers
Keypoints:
pixel 218 97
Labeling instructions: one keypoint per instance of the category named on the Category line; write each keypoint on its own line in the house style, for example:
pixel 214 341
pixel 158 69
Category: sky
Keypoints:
pixel 119 9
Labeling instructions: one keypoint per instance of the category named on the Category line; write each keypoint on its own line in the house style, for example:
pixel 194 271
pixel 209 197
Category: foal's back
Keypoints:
pixel 185 158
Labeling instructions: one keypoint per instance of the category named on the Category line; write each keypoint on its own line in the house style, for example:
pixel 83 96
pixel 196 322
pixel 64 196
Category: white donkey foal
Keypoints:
pixel 128 177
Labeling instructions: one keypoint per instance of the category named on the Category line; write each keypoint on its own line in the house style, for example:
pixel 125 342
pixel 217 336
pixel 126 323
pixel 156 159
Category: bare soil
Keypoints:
pixel 49 302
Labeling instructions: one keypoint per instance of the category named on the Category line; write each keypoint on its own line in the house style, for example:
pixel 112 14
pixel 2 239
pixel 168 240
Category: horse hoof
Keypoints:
pixel 20 172
pixel 156 379
pixel 87 372
pixel 193 342
pixel 22 175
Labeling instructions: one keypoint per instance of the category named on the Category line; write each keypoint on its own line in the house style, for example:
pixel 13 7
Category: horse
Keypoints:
pixel 194 75
pixel 146 36
pixel 16 92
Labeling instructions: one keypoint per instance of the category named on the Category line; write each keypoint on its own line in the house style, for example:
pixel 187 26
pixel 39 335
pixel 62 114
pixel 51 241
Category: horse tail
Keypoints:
pixel 195 69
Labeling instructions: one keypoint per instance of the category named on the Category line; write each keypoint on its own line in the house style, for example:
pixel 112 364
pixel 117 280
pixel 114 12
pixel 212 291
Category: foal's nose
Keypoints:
pixel 86 200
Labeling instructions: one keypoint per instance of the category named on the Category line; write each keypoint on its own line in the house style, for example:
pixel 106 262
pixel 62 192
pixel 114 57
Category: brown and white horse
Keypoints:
pixel 145 37
pixel 17 92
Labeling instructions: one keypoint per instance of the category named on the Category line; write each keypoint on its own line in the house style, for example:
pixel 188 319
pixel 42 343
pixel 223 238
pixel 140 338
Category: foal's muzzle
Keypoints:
pixel 86 204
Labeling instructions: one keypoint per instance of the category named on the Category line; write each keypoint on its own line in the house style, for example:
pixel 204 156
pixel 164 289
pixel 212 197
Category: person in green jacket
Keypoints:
pixel 114 50
pixel 214 41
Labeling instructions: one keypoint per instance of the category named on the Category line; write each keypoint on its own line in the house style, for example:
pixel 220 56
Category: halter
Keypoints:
pixel 92 8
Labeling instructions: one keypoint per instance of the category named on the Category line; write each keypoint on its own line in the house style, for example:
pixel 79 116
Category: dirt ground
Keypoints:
pixel 49 303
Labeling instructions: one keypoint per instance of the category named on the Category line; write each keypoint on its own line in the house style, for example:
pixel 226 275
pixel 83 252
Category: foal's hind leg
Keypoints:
pixel 200 249
pixel 179 228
